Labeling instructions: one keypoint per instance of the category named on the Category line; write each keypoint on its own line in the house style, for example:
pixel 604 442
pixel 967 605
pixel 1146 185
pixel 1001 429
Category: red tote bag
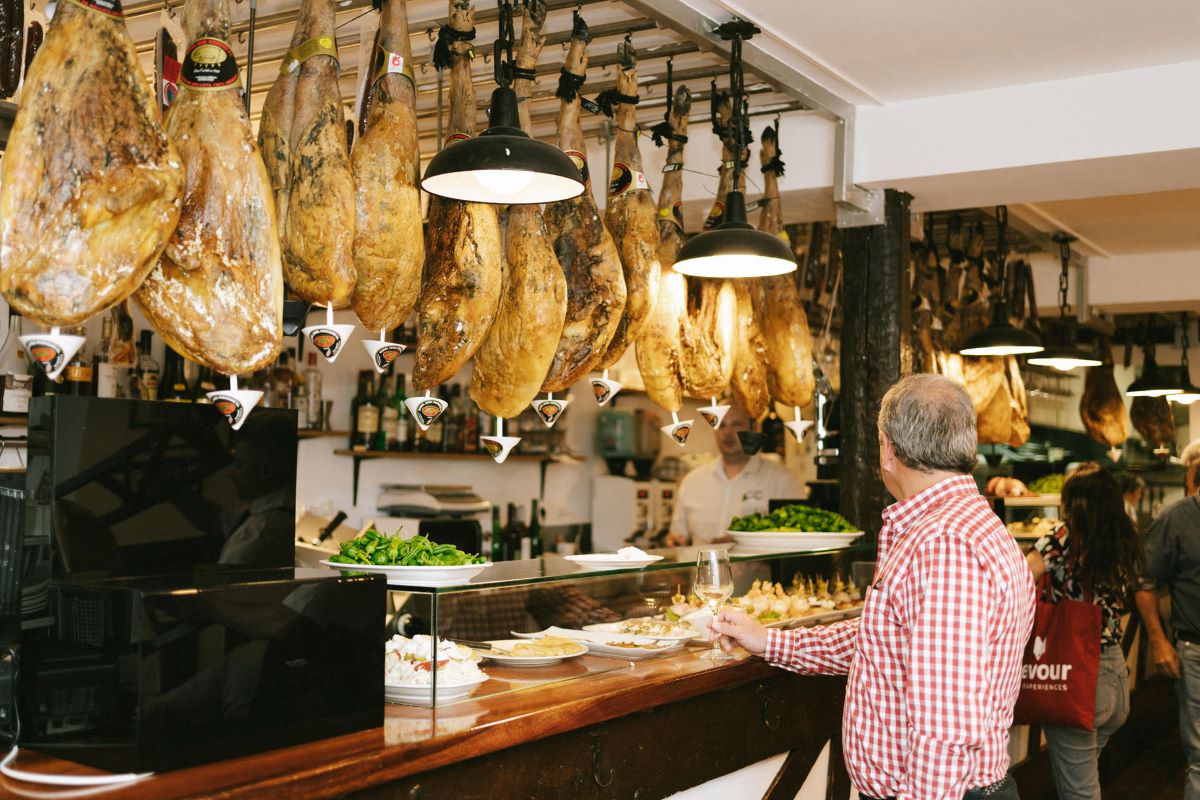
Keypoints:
pixel 1062 659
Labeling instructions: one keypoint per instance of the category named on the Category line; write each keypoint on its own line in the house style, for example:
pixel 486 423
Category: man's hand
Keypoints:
pixel 737 629
pixel 1164 657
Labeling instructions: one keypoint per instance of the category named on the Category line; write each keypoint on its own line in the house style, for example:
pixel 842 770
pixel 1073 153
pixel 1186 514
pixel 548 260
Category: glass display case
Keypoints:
pixel 515 598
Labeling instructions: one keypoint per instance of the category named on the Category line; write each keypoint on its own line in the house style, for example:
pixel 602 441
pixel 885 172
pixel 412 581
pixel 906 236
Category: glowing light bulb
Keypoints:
pixel 504 182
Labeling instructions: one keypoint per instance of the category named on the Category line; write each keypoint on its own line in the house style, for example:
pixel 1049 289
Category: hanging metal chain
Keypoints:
pixel 737 93
pixel 1183 344
pixel 506 38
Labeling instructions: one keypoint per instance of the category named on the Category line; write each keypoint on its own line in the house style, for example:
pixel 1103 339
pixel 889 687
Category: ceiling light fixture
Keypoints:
pixel 503 164
pixel 1154 381
pixel 735 249
pixel 1068 355
pixel 1001 337
pixel 1188 393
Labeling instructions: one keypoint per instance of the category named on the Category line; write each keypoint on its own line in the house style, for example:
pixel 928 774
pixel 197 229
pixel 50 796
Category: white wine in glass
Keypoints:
pixel 714 585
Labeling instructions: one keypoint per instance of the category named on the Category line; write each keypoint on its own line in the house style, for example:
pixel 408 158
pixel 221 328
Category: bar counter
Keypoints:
pixel 647 729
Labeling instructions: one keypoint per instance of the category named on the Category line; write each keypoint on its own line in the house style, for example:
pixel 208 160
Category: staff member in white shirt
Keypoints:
pixel 731 486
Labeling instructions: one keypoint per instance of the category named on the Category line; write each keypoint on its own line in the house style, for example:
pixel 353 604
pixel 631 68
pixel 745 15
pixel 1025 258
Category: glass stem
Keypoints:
pixel 716 642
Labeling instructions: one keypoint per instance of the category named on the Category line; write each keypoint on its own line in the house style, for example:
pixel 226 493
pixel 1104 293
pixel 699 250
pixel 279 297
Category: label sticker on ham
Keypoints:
pixel 317 46
pixel 672 167
pixel 715 217
pixel 591 106
pixel 385 62
pixel 454 137
pixel 621 180
pixel 110 7
pixel 170 80
pixel 639 180
pixel 209 64
pixel 580 162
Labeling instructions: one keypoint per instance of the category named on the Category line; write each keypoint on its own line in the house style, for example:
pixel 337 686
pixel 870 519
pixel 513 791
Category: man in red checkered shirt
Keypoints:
pixel 934 661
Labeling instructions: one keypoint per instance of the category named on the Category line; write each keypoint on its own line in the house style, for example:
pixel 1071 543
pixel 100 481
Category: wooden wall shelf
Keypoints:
pixel 376 455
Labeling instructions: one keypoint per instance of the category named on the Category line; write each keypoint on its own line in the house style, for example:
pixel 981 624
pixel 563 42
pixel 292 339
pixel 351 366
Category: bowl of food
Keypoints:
pixel 793 527
pixel 413 561
pixel 408 671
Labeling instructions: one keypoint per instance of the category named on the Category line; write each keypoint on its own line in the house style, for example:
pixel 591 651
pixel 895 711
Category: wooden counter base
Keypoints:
pixel 646 731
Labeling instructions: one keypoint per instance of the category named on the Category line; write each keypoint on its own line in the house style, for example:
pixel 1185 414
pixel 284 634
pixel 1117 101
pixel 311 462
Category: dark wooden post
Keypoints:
pixel 876 351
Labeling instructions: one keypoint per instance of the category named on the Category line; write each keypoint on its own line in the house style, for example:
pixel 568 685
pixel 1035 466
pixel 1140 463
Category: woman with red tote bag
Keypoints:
pixel 1095 556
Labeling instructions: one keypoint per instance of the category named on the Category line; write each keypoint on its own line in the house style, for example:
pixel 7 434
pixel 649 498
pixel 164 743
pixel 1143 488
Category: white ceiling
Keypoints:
pixel 1160 222
pixel 892 51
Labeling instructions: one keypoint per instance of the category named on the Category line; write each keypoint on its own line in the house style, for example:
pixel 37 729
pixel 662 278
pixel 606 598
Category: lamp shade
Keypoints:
pixel 735 249
pixel 1001 337
pixel 1155 382
pixel 1065 358
pixel 1188 393
pixel 503 164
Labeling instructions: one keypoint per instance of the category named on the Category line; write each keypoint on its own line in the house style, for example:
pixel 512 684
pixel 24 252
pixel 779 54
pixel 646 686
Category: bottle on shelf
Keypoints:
pixel 536 547
pixel 15 379
pixel 510 536
pixel 453 428
pixel 102 374
pixel 205 382
pixel 470 428
pixel 283 379
pixel 312 383
pixel 173 387
pixel 79 373
pixel 497 538
pixel 364 415
pixel 396 404
pixel 434 436
pixel 388 422
pixel 122 354
pixel 148 374
pixel 522 543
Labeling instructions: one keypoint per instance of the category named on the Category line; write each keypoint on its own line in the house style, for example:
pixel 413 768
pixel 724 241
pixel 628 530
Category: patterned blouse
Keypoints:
pixel 1055 549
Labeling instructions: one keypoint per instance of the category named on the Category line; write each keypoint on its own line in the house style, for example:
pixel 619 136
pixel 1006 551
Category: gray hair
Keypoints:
pixel 930 421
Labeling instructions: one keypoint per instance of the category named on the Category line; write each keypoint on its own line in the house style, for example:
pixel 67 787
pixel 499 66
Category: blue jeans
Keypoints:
pixel 1188 691
pixel 1075 753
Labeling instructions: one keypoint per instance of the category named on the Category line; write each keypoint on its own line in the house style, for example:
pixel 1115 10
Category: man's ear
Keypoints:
pixel 887 453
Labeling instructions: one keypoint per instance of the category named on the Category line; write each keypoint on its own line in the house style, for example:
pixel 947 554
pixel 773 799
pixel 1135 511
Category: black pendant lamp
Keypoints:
pixel 735 248
pixel 503 164
pixel 1067 355
pixel 1154 380
pixel 1001 337
pixel 1188 393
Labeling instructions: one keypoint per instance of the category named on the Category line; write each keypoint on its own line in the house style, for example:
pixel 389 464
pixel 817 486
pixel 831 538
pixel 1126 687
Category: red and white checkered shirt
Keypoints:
pixel 934 661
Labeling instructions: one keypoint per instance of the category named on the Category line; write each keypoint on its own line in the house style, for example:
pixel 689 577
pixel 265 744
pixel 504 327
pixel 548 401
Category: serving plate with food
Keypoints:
pixel 625 558
pixel 615 645
pixel 661 629
pixel 412 561
pixel 408 671
pixel 532 652
pixel 793 527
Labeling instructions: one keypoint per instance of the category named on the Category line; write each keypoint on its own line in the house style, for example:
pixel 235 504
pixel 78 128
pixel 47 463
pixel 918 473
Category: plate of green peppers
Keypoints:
pixel 407 561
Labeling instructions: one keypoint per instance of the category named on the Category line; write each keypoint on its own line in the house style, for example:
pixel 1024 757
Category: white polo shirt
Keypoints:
pixel 708 499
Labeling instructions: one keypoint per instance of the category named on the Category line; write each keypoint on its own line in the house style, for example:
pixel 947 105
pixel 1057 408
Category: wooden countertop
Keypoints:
pixel 415 740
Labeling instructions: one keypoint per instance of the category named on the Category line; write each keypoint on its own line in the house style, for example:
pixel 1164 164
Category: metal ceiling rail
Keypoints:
pixel 855 204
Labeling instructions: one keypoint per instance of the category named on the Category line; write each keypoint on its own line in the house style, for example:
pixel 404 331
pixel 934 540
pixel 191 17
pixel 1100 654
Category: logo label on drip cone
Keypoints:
pixel 710 417
pixel 493 448
pixel 327 340
pixel 601 391
pixel 681 433
pixel 48 355
pixel 549 410
pixel 386 355
pixel 429 411
pixel 231 408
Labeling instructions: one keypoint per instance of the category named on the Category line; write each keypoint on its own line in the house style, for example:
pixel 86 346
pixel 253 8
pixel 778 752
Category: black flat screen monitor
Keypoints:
pixel 126 488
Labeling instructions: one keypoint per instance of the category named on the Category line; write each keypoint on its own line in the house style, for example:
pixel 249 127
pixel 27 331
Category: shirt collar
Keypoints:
pixel 752 466
pixel 904 513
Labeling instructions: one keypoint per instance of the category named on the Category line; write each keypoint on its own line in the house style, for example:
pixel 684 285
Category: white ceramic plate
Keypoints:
pixel 768 541
pixel 423 695
pixel 611 561
pixel 615 627
pixel 417 576
pixel 602 644
pixel 510 660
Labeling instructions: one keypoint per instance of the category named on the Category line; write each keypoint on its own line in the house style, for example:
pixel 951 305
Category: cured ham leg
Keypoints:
pixel 318 228
pixel 781 315
pixel 998 393
pixel 659 347
pixel 1102 409
pixel 389 245
pixel 511 364
pixel 217 294
pixel 464 250
pixel 91 185
pixel 630 217
pixel 749 382
pixel 584 247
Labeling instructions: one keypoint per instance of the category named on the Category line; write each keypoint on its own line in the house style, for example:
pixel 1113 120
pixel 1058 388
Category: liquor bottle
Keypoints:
pixel 523 545
pixel 535 532
pixel 364 415
pixel 15 378
pixel 397 407
pixel 173 387
pixel 471 430
pixel 432 439
pixel 312 382
pixel 452 429
pixel 387 421
pixel 510 536
pixel 122 354
pixel 300 403
pixel 148 375
pixel 79 373
pixel 205 383
pixel 283 379
pixel 497 536
pixel 100 358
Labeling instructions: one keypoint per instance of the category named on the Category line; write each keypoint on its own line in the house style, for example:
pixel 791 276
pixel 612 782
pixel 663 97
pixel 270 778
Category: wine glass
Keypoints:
pixel 713 584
